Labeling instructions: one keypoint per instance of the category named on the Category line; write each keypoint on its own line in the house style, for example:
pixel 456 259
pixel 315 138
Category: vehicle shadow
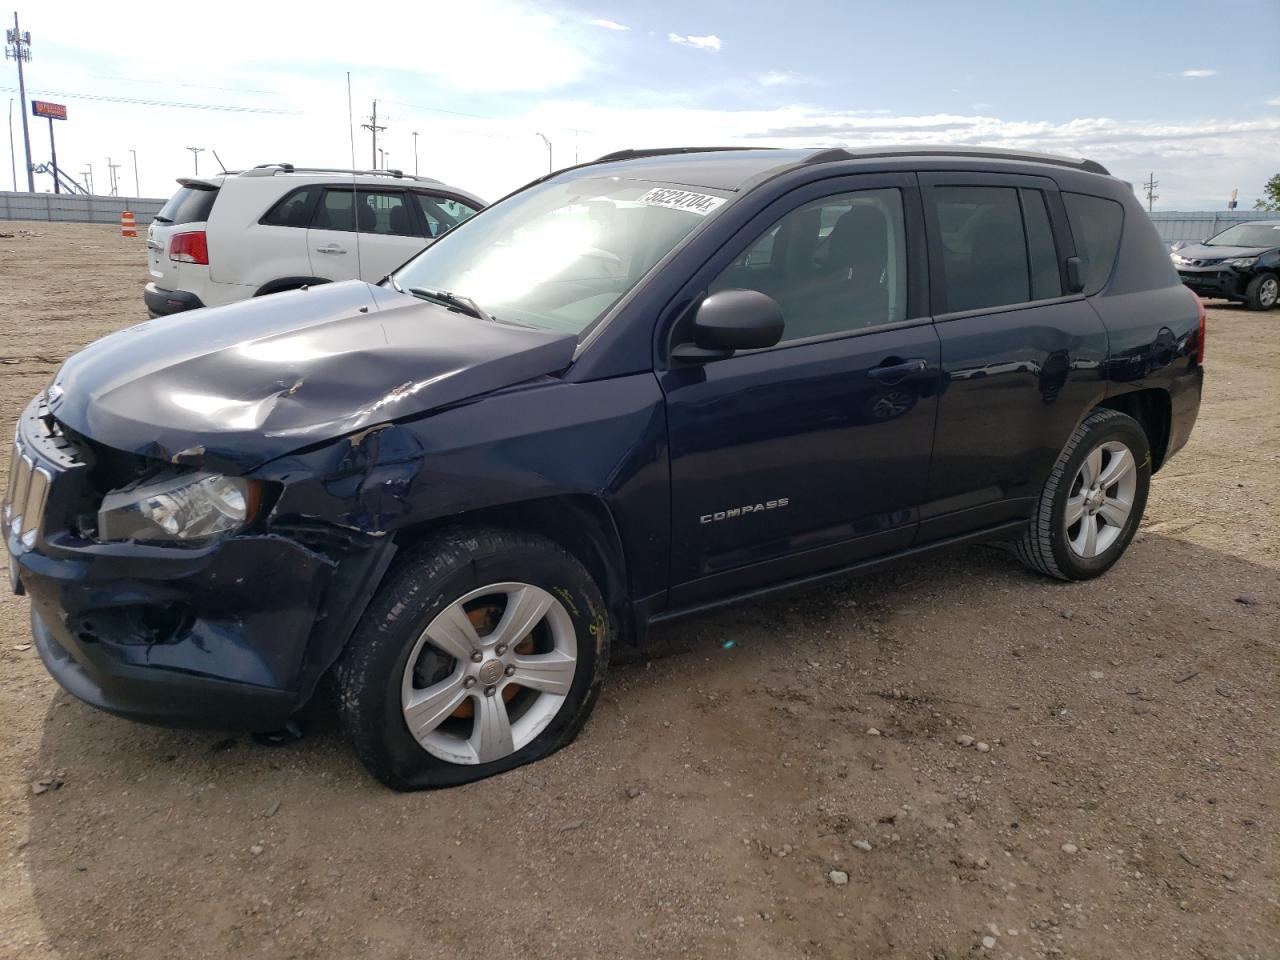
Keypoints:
pixel 653 831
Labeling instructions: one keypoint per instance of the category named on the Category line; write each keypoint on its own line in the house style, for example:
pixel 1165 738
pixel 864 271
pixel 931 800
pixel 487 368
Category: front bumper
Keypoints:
pixel 162 303
pixel 231 635
pixel 1215 281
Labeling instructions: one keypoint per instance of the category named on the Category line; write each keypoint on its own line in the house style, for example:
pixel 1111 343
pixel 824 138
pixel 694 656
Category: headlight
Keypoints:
pixel 1177 259
pixel 1243 262
pixel 181 507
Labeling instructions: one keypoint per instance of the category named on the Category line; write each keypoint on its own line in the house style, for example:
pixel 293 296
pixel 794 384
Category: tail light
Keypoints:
pixel 189 247
pixel 1200 337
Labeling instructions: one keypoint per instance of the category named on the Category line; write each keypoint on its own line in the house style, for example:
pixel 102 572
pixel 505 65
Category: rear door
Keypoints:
pixel 814 453
pixel 1021 357
pixel 358 232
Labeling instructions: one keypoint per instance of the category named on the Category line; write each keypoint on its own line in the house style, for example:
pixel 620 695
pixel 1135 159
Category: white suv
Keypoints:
pixel 278 227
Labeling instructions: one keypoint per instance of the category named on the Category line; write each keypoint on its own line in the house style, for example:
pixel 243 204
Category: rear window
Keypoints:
pixel 188 205
pixel 1095 225
pixel 291 210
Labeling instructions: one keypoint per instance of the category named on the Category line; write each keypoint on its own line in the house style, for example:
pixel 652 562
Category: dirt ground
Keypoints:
pixel 1127 806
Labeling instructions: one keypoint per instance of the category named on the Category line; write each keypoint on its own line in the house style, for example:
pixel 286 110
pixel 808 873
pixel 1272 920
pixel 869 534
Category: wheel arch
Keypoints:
pixel 580 523
pixel 1153 409
pixel 287 283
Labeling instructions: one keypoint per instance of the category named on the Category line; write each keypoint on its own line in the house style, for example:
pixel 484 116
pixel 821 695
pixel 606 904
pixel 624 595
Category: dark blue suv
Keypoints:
pixel 634 390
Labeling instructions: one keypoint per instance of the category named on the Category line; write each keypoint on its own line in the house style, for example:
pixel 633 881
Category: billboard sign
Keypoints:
pixel 54 111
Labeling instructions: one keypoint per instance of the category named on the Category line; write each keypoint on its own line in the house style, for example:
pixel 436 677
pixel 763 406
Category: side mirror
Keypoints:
pixel 732 320
pixel 1075 276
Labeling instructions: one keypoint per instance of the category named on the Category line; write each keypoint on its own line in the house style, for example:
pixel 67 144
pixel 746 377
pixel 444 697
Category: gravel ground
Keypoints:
pixel 788 779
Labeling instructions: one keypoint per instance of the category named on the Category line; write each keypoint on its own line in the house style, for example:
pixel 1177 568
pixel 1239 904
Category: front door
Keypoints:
pixel 812 454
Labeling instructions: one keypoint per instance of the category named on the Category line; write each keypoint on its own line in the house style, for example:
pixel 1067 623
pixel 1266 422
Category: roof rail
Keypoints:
pixel 984 153
pixel 271 169
pixel 630 154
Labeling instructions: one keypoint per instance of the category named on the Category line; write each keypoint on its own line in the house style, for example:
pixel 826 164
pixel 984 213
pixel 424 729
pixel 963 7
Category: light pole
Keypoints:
pixel 136 185
pixel 415 145
pixel 195 154
pixel 89 178
pixel 550 166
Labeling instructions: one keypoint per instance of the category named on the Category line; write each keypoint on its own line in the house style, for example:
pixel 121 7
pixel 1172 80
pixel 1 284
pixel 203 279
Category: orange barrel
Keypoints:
pixel 127 226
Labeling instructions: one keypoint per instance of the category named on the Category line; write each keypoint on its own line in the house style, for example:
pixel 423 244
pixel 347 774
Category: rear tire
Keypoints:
pixel 1263 292
pixel 1093 501
pixel 420 656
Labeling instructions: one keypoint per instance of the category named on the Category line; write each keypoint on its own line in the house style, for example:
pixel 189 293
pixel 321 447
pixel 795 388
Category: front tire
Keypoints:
pixel 1093 501
pixel 484 650
pixel 1262 292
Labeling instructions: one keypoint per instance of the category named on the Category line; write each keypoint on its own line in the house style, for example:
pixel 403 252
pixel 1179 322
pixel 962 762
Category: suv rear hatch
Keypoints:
pixel 186 213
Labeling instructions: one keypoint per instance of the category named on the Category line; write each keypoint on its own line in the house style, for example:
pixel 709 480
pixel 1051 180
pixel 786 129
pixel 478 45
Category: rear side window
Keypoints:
pixel 1095 225
pixel 188 205
pixel 374 212
pixel 293 209
pixel 984 250
pixel 1046 280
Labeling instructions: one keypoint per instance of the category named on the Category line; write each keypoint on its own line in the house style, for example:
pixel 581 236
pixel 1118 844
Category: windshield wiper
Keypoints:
pixel 454 300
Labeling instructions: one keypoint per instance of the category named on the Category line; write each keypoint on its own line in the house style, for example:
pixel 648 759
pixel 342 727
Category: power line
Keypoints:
pixel 156 103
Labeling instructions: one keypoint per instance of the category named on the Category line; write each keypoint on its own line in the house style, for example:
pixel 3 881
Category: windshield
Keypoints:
pixel 1248 235
pixel 558 255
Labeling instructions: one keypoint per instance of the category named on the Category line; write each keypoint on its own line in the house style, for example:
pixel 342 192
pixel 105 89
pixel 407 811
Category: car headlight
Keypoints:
pixel 1177 259
pixel 1243 261
pixel 179 507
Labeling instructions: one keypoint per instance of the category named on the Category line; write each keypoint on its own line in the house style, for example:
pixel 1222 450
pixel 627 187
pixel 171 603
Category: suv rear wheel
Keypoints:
pixel 1263 292
pixel 1093 501
pixel 485 650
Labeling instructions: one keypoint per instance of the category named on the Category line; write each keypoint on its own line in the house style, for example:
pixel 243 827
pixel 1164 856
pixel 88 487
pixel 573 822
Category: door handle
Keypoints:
pixel 895 369
pixel 331 248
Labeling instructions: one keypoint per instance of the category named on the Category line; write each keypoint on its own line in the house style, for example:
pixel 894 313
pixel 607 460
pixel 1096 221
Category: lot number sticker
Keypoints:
pixel 699 203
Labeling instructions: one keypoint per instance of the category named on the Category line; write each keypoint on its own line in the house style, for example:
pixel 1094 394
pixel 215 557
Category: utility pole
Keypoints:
pixel 372 127
pixel 89 177
pixel 13 162
pixel 137 187
pixel 550 165
pixel 415 153
pixel 1151 185
pixel 115 183
pixel 195 154
pixel 18 47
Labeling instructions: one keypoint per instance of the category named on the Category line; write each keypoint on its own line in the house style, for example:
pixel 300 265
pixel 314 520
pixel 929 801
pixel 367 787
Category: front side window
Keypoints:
pixel 835 265
pixel 442 213
pixel 559 255
pixel 373 211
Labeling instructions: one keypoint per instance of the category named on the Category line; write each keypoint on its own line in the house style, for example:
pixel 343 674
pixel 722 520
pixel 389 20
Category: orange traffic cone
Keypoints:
pixel 127 226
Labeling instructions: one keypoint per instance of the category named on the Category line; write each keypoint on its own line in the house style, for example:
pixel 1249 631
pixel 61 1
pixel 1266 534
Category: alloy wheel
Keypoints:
pixel 1101 499
pixel 489 673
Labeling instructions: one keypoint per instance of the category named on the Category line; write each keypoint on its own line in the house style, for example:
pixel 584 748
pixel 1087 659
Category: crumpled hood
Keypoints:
pixel 1199 251
pixel 231 387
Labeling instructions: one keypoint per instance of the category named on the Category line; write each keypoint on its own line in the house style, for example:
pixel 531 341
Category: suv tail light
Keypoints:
pixel 189 247
pixel 1200 337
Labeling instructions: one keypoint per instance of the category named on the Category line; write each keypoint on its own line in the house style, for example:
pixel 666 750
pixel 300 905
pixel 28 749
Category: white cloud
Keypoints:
pixel 709 42
pixel 1198 72
pixel 1274 102
pixel 779 78
pixel 608 24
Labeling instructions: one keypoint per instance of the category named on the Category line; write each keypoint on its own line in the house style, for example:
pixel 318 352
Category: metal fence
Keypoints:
pixel 75 208
pixel 1175 225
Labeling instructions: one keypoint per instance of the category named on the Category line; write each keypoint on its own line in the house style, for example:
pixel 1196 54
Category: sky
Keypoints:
pixel 1178 89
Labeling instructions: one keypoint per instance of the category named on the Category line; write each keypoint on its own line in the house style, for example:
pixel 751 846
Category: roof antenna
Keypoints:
pixel 355 219
pixel 220 163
